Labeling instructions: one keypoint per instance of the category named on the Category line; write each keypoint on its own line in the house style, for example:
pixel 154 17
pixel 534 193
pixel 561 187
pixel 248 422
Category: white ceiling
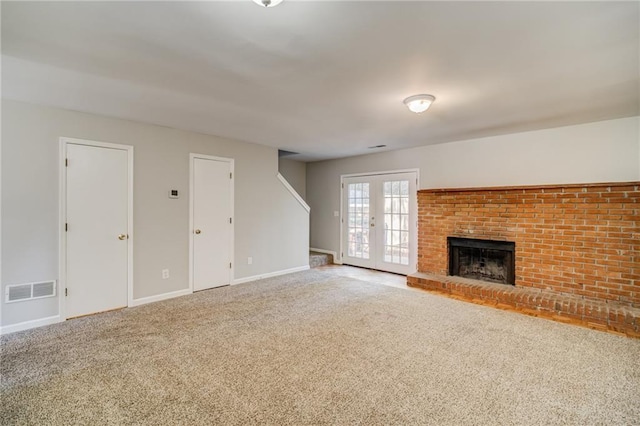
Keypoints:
pixel 327 78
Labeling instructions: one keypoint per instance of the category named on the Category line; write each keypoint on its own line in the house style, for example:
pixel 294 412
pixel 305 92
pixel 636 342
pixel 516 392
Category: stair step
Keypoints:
pixel 319 259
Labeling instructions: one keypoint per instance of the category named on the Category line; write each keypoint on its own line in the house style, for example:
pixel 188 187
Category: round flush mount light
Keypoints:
pixel 419 103
pixel 267 3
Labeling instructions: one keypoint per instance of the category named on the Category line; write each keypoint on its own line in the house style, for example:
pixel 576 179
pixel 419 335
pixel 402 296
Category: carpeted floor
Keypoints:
pixel 313 348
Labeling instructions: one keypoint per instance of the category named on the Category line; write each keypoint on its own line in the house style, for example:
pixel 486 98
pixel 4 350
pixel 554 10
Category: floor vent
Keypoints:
pixel 21 292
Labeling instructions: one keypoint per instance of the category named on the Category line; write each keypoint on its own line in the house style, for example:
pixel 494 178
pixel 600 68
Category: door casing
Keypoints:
pixel 62 235
pixel 414 236
pixel 231 162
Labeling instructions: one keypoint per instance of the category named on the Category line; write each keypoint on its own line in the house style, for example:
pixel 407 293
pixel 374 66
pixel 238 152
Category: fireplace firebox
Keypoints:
pixel 486 260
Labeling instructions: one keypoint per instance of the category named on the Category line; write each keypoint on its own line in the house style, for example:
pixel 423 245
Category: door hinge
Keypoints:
pixel 66 292
pixel 66 227
pixel 229 265
pixel 342 254
pixel 343 186
pixel 230 175
pixel 230 220
pixel 66 162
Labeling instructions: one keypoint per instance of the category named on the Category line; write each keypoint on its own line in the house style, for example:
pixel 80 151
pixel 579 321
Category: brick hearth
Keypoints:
pixel 577 249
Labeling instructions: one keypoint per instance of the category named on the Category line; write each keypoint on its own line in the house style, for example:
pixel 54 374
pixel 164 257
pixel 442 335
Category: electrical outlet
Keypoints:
pixel 336 213
pixel 165 274
pixel 249 260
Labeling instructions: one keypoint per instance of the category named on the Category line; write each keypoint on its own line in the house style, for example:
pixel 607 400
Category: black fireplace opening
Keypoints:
pixel 486 260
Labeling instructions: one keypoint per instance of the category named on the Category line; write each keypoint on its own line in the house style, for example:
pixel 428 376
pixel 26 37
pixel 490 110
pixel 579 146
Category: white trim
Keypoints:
pixel 62 198
pixel 62 240
pixel 333 253
pixel 130 227
pixel 338 260
pixel 26 325
pixel 341 218
pixel 271 274
pixel 294 193
pixel 389 172
pixel 231 162
pixel 160 297
pixel 1 304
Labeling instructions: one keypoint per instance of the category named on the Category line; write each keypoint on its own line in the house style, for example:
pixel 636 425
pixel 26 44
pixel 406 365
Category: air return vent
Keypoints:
pixel 21 292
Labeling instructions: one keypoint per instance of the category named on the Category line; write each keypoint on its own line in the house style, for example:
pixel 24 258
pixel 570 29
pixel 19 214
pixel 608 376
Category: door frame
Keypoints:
pixel 414 237
pixel 231 161
pixel 62 234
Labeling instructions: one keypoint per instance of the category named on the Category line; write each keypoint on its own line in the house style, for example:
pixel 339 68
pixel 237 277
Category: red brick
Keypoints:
pixel 570 240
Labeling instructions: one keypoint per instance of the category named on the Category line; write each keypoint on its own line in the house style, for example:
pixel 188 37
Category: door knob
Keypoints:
pixel 197 231
pixel 122 236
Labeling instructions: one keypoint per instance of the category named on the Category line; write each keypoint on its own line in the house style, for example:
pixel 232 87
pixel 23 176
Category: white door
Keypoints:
pixel 380 222
pixel 97 226
pixel 359 245
pixel 212 220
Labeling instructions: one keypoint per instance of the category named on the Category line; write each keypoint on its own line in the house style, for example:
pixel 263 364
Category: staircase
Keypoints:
pixel 319 259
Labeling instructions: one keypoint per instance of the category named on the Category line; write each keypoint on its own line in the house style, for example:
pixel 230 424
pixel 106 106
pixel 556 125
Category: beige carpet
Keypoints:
pixel 313 348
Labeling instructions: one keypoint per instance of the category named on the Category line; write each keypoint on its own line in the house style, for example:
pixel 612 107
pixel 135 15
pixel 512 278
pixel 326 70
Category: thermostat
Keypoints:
pixel 173 193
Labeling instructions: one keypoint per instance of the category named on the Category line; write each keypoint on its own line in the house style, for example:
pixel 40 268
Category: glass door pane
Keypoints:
pixel 358 209
pixel 396 221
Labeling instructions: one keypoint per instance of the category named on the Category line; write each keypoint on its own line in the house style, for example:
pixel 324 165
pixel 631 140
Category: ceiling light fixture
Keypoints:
pixel 419 103
pixel 267 3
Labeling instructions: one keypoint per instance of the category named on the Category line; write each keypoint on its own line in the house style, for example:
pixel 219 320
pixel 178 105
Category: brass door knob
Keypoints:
pixel 122 236
pixel 197 231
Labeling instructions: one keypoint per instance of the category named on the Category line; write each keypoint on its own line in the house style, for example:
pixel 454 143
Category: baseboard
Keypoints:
pixel 26 325
pixel 333 253
pixel 271 274
pixel 159 297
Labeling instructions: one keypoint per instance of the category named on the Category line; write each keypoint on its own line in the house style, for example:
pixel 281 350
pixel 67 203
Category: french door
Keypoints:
pixel 379 228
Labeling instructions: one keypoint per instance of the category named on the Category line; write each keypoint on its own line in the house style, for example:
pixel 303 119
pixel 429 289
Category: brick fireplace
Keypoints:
pixel 577 249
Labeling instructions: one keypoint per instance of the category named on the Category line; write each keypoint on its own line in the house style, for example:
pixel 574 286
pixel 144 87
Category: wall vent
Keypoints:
pixel 22 292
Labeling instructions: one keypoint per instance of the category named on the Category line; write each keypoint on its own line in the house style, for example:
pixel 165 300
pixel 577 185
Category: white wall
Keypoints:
pixel 295 172
pixel 605 151
pixel 270 225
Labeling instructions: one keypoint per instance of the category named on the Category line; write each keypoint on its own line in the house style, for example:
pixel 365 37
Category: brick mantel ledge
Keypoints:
pixel 600 315
pixel 531 187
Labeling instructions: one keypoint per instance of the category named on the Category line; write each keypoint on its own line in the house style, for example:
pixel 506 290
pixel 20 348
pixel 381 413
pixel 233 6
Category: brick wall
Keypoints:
pixel 576 239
